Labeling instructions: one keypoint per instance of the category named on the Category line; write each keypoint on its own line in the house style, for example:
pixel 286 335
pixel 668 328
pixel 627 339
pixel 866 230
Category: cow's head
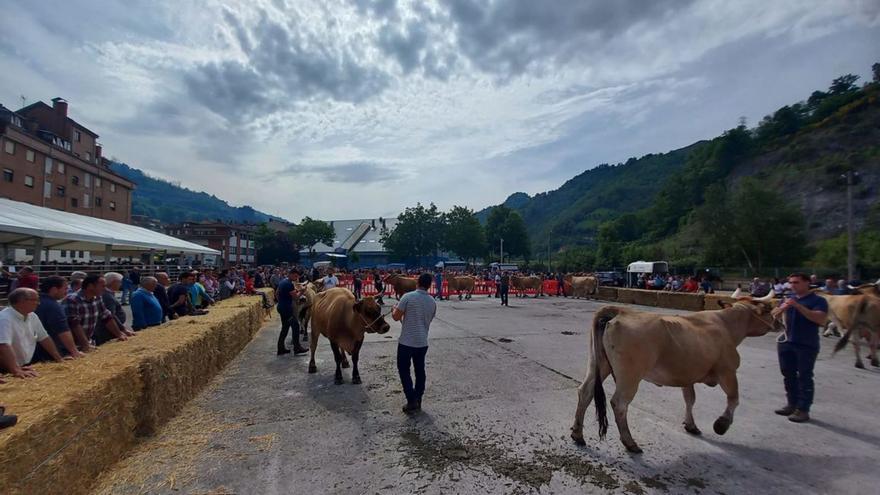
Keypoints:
pixel 865 289
pixel 371 314
pixel 762 310
pixel 303 300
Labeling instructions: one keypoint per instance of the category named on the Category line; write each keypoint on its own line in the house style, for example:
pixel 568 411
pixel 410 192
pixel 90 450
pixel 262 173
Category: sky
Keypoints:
pixel 342 109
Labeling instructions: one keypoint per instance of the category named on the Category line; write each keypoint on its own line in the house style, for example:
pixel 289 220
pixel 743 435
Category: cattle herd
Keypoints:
pixel 630 345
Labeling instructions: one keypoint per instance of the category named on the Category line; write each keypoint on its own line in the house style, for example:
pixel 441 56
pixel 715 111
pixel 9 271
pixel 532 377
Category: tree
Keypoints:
pixel 310 232
pixel 875 70
pixel 419 232
pixel 274 246
pixel 464 234
pixel 753 224
pixel 576 259
pixel 504 223
pixel 844 84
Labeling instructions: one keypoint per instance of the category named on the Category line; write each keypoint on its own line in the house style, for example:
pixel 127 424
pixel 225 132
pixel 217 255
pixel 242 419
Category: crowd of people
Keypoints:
pixel 57 318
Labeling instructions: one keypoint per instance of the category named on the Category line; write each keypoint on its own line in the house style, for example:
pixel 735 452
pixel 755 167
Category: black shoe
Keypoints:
pixel 799 416
pixel 281 352
pixel 411 408
pixel 785 411
pixel 299 350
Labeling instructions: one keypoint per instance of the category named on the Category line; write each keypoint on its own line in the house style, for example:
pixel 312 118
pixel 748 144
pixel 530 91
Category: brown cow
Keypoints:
pixel 344 321
pixel 460 283
pixel 859 313
pixel 582 286
pixel 670 350
pixel 520 284
pixel 401 284
pixel 304 305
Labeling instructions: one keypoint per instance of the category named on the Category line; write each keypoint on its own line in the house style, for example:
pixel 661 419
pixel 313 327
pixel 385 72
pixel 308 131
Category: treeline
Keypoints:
pixel 276 246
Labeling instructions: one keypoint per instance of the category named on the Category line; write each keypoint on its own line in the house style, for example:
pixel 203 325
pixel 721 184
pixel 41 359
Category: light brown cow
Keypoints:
pixel 401 284
pixel 582 286
pixel 859 313
pixel 668 350
pixel 344 321
pixel 521 284
pixel 460 283
pixel 304 305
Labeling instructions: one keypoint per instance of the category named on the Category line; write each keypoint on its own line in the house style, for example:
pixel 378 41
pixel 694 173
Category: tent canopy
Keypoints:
pixel 648 267
pixel 22 224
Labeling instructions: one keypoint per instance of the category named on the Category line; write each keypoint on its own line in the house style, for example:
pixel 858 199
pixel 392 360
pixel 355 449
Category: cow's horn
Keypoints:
pixel 850 287
pixel 736 294
pixel 769 297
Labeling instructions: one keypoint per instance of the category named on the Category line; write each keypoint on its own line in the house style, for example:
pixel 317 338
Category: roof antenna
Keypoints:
pixel 23 100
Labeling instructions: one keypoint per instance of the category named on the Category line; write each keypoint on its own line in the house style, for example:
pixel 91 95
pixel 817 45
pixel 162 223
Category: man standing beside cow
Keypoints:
pixel 416 310
pixel 286 295
pixel 798 347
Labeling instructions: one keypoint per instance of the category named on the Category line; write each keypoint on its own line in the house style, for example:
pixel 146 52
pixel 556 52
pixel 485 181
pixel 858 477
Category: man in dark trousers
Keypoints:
pixel 799 346
pixel 560 284
pixel 416 310
pixel 504 288
pixel 286 295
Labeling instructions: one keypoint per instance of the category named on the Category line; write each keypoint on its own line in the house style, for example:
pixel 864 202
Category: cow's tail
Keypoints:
pixel 601 319
pixel 852 325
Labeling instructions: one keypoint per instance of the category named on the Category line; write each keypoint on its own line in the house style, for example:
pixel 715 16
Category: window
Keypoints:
pixel 112 187
pixel 113 205
pixel 75 180
pixel 61 190
pixel 60 168
pixel 8 175
pixel 47 190
pixel 86 200
pixel 29 181
pixel 88 180
pixel 97 182
pixel 63 253
pixel 9 146
pixel 74 202
pixel 30 156
pixel 77 136
pixel 48 165
pixel 97 201
pixel 88 156
pixel 81 254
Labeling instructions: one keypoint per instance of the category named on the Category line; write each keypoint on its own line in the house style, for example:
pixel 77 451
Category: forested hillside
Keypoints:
pixel 171 203
pixel 772 195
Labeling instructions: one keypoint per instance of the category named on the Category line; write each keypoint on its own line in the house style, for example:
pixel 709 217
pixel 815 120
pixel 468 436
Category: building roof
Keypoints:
pixel 358 236
pixel 22 223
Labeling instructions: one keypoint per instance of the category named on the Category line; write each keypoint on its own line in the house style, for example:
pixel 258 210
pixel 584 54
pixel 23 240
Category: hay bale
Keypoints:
pixel 710 301
pixel 626 296
pixel 645 297
pixel 680 300
pixel 79 417
pixel 606 293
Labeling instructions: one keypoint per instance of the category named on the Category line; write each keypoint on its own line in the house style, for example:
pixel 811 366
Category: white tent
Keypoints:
pixel 30 226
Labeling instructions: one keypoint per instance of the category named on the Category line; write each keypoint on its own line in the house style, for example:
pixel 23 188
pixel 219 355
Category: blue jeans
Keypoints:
pixel 416 356
pixel 796 363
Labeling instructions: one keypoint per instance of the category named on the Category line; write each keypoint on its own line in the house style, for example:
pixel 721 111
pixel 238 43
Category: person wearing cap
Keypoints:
pixel 286 296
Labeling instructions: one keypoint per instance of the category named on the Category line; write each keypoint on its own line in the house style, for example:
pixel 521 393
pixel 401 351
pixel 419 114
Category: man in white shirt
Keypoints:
pixel 330 281
pixel 20 330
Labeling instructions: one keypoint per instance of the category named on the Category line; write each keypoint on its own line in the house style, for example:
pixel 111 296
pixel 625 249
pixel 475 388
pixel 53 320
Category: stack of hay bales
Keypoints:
pixel 79 417
pixel 710 301
pixel 680 300
pixel 606 293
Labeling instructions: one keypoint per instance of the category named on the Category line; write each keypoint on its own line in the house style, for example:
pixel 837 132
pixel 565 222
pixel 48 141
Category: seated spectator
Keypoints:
pixel 145 308
pixel 26 279
pixel 830 285
pixel 706 286
pixel 227 285
pixel 677 284
pixel 179 295
pixel 199 296
pixel 814 281
pixel 841 289
pixel 114 283
pixel 690 285
pixel 778 287
pixel 20 331
pixel 51 315
pixel 76 279
pixel 85 311
pixel 758 288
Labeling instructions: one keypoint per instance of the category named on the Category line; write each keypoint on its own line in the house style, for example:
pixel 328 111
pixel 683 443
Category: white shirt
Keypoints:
pixel 21 333
pixel 330 282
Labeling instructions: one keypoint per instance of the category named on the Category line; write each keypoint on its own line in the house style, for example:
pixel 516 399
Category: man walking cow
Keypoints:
pixel 287 292
pixel 799 346
pixel 416 309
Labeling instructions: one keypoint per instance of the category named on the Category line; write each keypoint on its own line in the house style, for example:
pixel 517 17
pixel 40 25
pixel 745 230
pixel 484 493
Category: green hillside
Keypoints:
pixel 170 203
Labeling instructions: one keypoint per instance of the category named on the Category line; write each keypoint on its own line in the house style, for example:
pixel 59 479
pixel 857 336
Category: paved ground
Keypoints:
pixel 500 400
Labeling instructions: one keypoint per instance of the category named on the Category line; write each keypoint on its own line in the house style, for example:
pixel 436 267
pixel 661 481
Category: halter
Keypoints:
pixel 769 325
pixel 370 324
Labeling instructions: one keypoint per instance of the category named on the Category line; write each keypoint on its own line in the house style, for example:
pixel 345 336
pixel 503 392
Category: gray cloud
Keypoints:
pixel 361 172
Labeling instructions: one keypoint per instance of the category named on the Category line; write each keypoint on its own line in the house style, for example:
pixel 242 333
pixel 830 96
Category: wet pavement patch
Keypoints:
pixel 505 340
pixel 568 332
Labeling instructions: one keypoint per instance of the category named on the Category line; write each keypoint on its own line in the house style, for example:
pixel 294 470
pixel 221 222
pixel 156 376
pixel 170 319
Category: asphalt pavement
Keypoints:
pixel 500 400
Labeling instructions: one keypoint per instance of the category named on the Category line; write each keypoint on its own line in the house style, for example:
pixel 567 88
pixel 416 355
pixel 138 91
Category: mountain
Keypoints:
pixel 171 203
pixel 794 163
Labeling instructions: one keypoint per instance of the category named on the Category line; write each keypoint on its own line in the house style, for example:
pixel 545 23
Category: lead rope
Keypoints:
pixel 369 325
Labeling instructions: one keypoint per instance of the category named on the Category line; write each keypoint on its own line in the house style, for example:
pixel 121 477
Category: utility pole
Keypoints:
pixel 502 250
pixel 549 260
pixel 850 230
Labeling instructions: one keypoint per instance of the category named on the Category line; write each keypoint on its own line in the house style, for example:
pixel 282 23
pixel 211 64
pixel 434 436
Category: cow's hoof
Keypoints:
pixel 345 364
pixel 692 429
pixel 355 380
pixel 578 438
pixel 860 365
pixel 721 425
pixel 634 449
pixel 313 368
pixel 338 380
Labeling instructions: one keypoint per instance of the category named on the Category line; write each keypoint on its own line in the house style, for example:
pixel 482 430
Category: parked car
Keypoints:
pixel 615 279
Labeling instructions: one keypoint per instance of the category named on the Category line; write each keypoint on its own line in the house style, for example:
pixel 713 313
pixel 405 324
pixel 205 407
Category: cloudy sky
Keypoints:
pixel 355 108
